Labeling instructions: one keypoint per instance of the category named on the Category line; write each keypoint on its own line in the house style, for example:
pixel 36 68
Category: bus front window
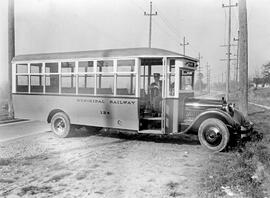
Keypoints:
pixel 186 80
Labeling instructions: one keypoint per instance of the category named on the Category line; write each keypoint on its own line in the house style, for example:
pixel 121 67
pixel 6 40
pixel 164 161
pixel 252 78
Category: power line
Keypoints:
pixel 167 23
pixel 138 6
pixel 166 32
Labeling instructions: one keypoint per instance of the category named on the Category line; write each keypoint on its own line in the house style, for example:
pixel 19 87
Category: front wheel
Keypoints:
pixel 214 134
pixel 60 125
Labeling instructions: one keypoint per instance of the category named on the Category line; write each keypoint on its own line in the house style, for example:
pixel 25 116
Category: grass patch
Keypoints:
pixel 5 162
pixel 9 181
pixel 109 173
pixel 172 185
pixel 33 190
pixel 81 175
pixel 59 177
pixel 238 173
pixel 172 189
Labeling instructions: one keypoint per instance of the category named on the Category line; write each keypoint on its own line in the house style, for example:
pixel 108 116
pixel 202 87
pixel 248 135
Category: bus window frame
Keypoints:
pixel 76 74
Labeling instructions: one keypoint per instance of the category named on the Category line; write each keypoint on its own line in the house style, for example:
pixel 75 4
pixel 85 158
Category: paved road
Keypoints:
pixel 21 129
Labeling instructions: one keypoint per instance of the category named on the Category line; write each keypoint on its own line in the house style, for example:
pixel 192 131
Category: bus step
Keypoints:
pixel 152 118
pixel 151 131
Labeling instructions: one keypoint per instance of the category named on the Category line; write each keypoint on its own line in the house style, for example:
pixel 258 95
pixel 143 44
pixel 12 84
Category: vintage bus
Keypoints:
pixel 145 90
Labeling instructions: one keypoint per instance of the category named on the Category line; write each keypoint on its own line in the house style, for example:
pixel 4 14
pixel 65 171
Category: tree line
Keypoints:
pixel 265 79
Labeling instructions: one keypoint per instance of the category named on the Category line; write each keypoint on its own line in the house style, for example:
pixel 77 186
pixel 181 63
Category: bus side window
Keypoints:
pixel 51 78
pixel 22 83
pixel 105 84
pixel 126 84
pixel 36 78
pixel 126 77
pixel 86 84
pixel 36 83
pixel 22 77
pixel 68 84
pixel 52 83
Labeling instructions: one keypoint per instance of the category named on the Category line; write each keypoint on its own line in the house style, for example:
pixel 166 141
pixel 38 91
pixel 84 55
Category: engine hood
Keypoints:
pixel 201 104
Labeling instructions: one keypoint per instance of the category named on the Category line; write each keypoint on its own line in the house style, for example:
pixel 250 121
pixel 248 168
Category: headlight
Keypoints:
pixel 230 109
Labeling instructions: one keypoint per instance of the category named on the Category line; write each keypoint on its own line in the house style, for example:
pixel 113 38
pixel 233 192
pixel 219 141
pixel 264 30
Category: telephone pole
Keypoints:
pixel 199 73
pixel 243 57
pixel 150 14
pixel 11 54
pixel 229 48
pixel 184 45
pixel 222 77
pixel 237 58
pixel 208 77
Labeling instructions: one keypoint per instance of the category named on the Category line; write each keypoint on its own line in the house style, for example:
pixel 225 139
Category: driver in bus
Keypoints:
pixel 156 92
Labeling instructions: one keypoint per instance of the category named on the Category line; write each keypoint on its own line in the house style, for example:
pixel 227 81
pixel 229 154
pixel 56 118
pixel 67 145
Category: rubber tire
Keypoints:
pixel 67 130
pixel 224 132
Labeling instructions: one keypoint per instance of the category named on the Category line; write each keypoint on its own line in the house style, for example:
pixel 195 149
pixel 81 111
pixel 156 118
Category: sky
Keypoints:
pixel 43 26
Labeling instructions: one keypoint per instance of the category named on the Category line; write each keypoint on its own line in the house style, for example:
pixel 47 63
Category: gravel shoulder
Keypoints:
pixel 101 165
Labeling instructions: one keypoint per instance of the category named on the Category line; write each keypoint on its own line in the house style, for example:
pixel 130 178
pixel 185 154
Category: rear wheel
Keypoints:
pixel 214 134
pixel 60 125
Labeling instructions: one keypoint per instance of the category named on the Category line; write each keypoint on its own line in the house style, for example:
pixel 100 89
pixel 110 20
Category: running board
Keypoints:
pixel 151 131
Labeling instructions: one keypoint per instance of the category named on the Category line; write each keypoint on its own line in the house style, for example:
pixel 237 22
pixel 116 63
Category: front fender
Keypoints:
pixel 214 113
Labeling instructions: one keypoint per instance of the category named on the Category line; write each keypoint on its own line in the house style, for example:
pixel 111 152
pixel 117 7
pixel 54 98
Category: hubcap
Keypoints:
pixel 213 136
pixel 59 126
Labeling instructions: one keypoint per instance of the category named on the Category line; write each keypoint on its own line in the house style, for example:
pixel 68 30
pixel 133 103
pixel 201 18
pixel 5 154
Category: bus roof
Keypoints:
pixel 108 53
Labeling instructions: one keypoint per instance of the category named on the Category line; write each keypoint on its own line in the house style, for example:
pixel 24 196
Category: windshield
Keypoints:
pixel 186 80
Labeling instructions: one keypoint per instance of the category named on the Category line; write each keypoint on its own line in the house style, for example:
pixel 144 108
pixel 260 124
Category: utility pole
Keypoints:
pixel 208 77
pixel 243 57
pixel 184 45
pixel 229 48
pixel 222 77
pixel 199 73
pixel 150 14
pixel 11 54
pixel 237 58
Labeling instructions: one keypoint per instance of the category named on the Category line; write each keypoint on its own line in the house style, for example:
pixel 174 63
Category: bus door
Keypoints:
pixel 151 95
pixel 171 95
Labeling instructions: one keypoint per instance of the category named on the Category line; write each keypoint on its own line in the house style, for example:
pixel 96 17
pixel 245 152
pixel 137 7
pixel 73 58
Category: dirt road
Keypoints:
pixel 101 165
